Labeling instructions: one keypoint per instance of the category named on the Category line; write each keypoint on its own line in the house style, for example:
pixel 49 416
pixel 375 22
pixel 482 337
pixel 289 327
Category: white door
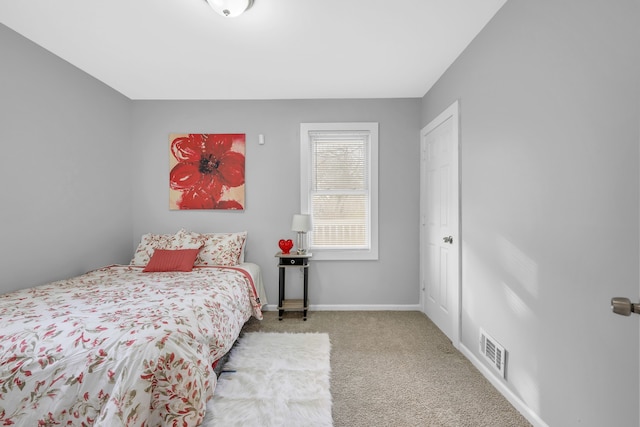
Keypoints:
pixel 439 228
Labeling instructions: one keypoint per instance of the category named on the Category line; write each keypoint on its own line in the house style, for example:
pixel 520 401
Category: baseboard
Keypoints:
pixel 354 307
pixel 517 403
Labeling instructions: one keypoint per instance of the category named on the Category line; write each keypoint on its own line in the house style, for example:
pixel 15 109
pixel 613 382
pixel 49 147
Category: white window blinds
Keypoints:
pixel 338 188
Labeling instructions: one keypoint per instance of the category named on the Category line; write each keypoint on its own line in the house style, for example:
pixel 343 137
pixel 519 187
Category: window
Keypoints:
pixel 339 189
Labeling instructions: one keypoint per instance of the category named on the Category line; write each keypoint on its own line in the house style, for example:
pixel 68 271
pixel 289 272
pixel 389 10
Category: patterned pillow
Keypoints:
pixel 150 242
pixel 224 249
pixel 171 260
pixel 184 239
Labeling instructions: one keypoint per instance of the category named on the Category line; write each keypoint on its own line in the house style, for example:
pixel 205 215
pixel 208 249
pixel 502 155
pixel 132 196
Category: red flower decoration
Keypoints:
pixel 206 168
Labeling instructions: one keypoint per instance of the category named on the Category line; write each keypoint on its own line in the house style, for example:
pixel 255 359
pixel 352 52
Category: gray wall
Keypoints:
pixel 86 174
pixel 66 168
pixel 549 166
pixel 273 187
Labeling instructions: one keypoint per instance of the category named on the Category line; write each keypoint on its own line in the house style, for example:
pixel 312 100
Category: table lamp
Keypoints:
pixel 301 224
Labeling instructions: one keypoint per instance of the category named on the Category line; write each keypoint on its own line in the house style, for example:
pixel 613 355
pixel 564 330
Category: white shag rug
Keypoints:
pixel 274 380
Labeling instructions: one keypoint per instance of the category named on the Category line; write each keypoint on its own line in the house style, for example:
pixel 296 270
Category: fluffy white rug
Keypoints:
pixel 274 379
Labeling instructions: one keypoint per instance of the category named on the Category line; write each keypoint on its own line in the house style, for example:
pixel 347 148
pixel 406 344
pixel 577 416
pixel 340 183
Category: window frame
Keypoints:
pixel 306 129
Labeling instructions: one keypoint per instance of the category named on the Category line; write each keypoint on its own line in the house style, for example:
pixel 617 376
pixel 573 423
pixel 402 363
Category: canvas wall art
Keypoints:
pixel 206 171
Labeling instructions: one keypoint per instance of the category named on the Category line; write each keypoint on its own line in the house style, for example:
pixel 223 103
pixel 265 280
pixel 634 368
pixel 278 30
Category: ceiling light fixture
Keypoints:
pixel 230 8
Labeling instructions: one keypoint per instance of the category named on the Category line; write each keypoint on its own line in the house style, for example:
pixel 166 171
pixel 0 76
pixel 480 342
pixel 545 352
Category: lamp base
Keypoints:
pixel 301 243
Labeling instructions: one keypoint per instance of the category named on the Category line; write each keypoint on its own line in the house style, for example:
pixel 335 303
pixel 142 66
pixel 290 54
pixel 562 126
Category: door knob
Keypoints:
pixel 624 307
pixel 448 239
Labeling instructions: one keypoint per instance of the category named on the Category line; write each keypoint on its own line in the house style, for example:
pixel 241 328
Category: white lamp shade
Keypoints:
pixel 230 8
pixel 301 223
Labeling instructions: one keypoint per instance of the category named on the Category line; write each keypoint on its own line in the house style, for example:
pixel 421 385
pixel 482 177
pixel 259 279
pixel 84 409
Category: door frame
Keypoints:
pixel 453 111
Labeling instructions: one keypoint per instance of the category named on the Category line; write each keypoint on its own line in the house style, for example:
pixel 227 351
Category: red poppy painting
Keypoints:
pixel 206 171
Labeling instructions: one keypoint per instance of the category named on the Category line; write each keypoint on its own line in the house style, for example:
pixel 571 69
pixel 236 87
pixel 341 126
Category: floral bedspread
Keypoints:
pixel 119 347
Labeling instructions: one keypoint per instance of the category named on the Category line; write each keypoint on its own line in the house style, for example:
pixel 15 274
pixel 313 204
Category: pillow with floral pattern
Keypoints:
pixel 150 242
pixel 225 249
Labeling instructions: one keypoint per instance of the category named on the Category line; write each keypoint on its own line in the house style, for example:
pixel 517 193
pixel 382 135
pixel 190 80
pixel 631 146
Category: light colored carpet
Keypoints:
pixel 274 379
pixel 395 368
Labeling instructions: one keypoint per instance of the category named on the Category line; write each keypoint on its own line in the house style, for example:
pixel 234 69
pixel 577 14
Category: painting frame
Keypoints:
pixel 207 171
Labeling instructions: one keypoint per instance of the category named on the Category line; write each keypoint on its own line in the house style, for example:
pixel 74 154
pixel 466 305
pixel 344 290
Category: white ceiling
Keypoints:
pixel 279 49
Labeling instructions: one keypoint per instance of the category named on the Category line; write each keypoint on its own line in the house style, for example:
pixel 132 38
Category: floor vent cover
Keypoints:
pixel 493 352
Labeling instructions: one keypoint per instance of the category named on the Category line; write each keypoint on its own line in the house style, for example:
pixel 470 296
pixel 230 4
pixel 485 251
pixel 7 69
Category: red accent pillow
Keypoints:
pixel 171 260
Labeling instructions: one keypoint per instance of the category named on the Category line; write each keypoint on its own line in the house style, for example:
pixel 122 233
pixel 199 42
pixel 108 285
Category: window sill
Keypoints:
pixel 340 255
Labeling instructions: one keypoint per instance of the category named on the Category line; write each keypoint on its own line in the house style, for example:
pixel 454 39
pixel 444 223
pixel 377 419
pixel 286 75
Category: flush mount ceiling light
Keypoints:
pixel 230 8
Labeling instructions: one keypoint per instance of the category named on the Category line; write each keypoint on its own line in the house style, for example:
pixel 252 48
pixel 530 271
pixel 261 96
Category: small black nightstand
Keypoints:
pixel 293 260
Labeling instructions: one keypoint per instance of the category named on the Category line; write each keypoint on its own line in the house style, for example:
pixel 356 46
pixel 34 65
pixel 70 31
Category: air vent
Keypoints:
pixel 493 352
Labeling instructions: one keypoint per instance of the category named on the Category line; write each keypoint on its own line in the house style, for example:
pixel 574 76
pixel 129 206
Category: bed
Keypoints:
pixel 124 345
